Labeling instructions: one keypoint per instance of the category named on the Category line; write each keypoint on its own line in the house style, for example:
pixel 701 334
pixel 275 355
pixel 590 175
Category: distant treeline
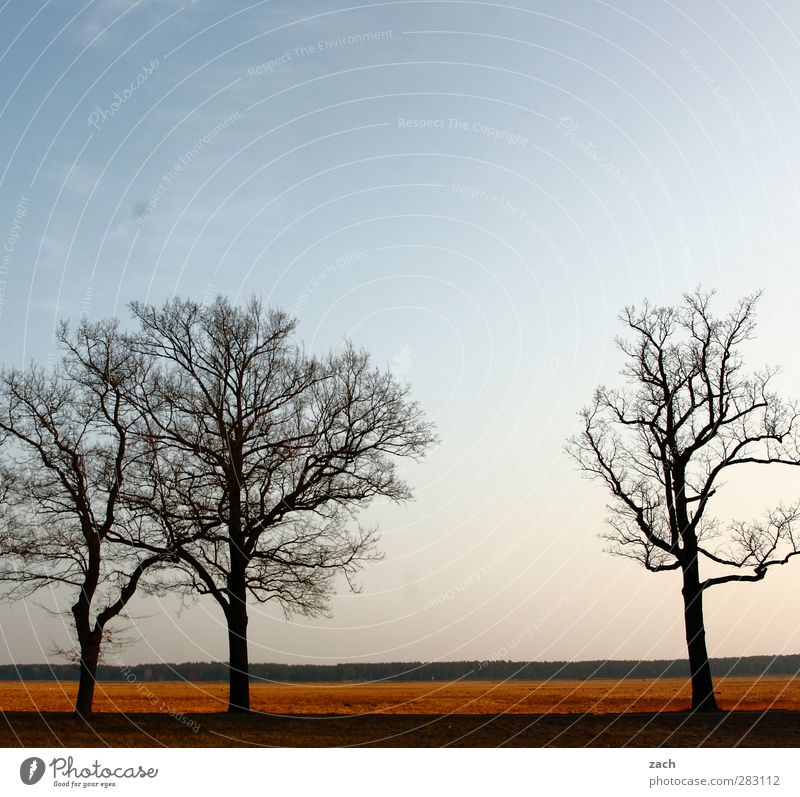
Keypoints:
pixel 410 671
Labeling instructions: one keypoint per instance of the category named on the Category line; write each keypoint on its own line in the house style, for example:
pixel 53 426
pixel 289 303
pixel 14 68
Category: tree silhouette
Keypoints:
pixel 660 445
pixel 67 449
pixel 259 458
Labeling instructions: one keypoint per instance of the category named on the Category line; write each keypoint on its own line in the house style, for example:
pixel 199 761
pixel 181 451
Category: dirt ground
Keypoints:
pixel 674 729
pixel 761 712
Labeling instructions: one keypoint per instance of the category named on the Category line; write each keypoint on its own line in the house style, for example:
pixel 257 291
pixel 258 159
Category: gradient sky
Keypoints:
pixel 472 190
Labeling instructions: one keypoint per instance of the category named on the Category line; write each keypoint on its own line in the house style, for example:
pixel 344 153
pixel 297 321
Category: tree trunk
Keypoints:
pixel 236 611
pixel 90 655
pixel 239 670
pixel 702 684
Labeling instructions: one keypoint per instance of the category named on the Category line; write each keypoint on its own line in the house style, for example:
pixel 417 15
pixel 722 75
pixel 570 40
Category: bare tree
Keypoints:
pixel 660 445
pixel 260 457
pixel 65 455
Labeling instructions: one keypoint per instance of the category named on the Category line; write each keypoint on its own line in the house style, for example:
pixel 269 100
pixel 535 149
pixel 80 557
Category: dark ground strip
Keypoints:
pixel 724 729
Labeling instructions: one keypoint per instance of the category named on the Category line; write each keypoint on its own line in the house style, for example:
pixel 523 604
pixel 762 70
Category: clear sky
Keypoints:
pixel 472 190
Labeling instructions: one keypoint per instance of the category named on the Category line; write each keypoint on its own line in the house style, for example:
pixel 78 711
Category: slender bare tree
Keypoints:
pixel 261 456
pixel 689 413
pixel 65 455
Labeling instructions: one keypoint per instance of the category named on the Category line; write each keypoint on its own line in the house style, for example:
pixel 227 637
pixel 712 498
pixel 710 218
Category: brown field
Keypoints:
pixel 431 697
pixel 759 712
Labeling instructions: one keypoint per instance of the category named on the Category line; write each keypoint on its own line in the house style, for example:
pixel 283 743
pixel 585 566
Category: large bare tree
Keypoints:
pixel 65 454
pixel 260 457
pixel 689 413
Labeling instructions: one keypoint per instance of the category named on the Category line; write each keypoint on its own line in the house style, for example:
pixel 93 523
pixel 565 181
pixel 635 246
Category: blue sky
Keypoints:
pixel 472 190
